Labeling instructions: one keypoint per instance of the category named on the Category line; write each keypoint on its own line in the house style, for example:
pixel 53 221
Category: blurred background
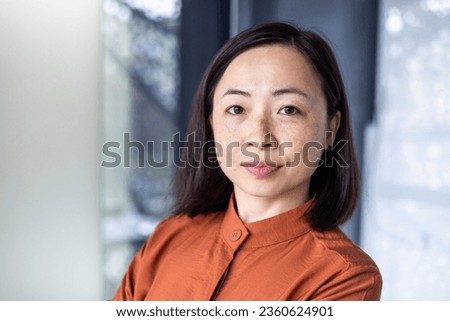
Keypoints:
pixel 85 84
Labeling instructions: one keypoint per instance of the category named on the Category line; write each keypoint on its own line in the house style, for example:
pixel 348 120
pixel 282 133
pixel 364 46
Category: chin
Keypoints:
pixel 257 188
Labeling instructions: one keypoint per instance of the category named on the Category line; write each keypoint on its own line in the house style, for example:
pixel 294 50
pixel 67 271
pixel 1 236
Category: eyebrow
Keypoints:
pixel 290 90
pixel 278 92
pixel 233 91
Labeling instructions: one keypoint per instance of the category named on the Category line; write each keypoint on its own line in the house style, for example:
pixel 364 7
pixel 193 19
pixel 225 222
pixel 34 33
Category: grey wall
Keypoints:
pixel 49 163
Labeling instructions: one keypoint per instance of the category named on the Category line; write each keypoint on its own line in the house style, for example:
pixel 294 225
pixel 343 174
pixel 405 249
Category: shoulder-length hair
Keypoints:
pixel 200 185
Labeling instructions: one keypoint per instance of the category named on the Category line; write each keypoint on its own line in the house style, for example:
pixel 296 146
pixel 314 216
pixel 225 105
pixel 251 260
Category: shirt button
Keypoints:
pixel 235 235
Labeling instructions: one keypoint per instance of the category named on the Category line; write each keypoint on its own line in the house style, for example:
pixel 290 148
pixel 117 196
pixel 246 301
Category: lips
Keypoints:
pixel 258 169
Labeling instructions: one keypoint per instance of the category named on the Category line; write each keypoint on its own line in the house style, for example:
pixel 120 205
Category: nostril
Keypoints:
pixel 261 139
pixel 269 144
pixel 249 144
pixel 269 141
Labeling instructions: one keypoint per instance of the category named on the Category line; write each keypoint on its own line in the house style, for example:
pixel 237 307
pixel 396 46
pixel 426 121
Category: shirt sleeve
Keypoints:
pixel 360 283
pixel 125 292
pixel 139 276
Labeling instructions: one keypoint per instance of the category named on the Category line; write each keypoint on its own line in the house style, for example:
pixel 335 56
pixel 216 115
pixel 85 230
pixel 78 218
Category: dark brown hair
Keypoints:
pixel 201 187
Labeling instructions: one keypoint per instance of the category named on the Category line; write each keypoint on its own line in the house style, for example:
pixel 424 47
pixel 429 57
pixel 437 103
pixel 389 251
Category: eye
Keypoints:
pixel 235 110
pixel 289 110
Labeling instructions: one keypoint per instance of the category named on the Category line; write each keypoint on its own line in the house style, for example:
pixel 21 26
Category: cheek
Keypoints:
pixel 296 140
pixel 224 134
pixel 226 146
pixel 219 128
pixel 312 153
pixel 224 139
pixel 227 153
pixel 302 147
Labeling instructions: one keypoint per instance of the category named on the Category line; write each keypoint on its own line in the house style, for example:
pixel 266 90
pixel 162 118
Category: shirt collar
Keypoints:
pixel 276 229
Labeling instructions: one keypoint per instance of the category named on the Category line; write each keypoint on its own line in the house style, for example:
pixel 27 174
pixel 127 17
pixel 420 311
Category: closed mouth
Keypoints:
pixel 258 169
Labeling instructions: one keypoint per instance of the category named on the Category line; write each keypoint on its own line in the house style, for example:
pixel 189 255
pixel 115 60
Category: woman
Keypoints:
pixel 269 176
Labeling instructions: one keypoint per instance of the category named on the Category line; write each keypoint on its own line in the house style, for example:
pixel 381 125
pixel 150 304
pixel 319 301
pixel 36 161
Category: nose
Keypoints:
pixel 261 133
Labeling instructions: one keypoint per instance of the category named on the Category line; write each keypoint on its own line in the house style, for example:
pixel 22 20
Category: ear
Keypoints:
pixel 333 126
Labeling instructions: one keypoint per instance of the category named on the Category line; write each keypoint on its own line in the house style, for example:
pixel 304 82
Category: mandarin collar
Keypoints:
pixel 275 229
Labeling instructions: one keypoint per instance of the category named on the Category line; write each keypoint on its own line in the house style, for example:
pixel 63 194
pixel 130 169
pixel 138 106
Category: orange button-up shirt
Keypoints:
pixel 218 257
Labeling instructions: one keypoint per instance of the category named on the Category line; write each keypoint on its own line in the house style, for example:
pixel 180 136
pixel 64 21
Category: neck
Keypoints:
pixel 253 208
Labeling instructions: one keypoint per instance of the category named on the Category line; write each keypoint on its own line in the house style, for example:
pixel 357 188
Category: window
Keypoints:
pixel 140 115
pixel 406 217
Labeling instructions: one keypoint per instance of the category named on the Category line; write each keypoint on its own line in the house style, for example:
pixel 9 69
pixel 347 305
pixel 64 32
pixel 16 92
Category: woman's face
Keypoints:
pixel 270 122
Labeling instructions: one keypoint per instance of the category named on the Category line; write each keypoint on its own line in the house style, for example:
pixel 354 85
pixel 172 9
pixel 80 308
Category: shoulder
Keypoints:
pixel 337 245
pixel 351 273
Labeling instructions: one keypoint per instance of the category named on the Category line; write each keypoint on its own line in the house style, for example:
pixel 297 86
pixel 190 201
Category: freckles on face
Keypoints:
pixel 269 103
pixel 269 90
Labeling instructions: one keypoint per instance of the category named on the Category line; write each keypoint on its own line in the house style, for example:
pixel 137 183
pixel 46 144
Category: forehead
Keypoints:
pixel 274 50
pixel 270 66
pixel 275 53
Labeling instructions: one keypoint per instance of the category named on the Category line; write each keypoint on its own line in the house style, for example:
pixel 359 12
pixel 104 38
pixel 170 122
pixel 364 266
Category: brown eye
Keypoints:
pixel 235 110
pixel 289 110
